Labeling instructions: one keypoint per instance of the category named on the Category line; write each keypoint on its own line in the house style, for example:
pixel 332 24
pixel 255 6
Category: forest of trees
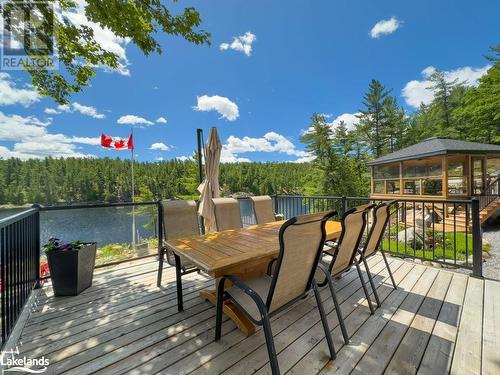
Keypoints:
pixel 457 111
pixel 52 181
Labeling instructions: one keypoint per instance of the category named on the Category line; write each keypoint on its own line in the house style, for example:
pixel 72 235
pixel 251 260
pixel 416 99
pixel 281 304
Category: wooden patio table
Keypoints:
pixel 244 253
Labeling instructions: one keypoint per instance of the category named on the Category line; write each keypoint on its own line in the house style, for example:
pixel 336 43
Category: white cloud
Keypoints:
pixel 383 27
pixel 104 36
pixel 161 120
pixel 159 158
pixel 305 159
pixel 270 142
pixel 133 120
pixel 184 158
pixel 32 139
pixel 10 94
pixel 242 43
pixel 159 146
pixel 76 107
pixel 88 111
pixel 350 119
pixel 416 92
pixel 226 108
pixel 95 141
pixel 51 111
pixel 227 156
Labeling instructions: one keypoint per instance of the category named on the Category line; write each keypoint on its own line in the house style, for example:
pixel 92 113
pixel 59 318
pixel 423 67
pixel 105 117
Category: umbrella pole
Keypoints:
pixel 199 136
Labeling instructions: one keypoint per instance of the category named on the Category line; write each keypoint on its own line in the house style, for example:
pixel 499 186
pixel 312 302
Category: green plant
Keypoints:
pixel 57 244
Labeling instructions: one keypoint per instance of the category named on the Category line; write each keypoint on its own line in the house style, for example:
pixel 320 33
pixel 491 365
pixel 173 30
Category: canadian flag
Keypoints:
pixel 117 143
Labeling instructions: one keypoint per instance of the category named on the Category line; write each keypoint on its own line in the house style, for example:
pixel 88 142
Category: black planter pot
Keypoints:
pixel 71 271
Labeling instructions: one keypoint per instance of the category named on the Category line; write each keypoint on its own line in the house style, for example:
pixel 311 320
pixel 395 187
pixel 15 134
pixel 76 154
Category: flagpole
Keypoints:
pixel 133 193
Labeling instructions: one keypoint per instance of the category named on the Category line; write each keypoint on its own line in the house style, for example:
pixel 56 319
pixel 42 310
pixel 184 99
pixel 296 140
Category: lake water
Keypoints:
pixel 103 225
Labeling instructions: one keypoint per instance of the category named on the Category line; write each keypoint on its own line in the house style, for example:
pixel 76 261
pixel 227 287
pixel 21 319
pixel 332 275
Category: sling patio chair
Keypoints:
pixel 301 242
pixel 227 213
pixel 180 219
pixel 381 216
pixel 330 246
pixel 263 209
pixel 344 256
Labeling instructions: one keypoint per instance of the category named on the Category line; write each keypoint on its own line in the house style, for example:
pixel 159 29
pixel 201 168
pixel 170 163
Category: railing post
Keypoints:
pixel 38 282
pixel 477 240
pixel 275 201
pixel 160 227
pixel 344 204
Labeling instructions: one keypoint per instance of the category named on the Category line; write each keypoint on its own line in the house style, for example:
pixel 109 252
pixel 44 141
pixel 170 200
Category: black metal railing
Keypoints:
pixel 19 265
pixel 491 193
pixel 447 232
pixel 441 231
pixel 20 270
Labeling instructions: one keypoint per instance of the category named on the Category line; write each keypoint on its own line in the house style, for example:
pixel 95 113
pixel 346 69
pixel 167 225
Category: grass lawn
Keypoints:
pixel 442 249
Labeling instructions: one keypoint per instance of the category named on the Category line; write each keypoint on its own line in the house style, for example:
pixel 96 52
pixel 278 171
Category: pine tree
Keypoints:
pixel 372 118
pixel 395 126
pixel 442 105
pixel 342 142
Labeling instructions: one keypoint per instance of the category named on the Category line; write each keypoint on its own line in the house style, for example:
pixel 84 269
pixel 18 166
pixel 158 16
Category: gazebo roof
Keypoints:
pixel 436 146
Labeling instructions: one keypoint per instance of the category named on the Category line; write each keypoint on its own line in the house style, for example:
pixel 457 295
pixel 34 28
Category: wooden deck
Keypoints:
pixel 435 323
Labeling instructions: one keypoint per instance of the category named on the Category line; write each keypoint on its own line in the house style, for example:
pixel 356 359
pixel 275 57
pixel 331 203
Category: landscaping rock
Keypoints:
pixel 412 237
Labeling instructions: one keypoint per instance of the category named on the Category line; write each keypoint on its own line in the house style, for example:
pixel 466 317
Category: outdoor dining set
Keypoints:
pixel 262 269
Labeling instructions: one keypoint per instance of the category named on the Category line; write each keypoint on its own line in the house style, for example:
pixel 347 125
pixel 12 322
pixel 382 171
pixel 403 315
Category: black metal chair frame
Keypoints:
pixel 328 275
pixel 361 251
pixel 264 307
pixel 180 270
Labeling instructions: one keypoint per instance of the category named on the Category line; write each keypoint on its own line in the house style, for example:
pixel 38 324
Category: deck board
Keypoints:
pixel 124 324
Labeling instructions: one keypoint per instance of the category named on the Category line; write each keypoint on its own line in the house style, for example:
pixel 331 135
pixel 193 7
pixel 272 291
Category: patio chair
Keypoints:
pixel 301 241
pixel 227 213
pixel 344 256
pixel 381 216
pixel 263 209
pixel 180 219
pixel 330 246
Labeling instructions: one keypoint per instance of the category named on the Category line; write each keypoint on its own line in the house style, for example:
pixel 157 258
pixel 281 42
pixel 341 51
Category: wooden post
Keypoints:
pixel 445 176
pixel 469 175
pixel 445 183
pixel 401 189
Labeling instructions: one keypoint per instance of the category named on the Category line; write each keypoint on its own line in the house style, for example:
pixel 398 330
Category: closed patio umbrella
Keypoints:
pixel 209 188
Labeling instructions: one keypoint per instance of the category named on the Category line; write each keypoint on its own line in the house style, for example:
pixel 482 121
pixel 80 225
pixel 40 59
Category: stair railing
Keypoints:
pixel 491 192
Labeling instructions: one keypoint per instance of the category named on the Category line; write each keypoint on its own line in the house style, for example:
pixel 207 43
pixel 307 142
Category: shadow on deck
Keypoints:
pixel 435 322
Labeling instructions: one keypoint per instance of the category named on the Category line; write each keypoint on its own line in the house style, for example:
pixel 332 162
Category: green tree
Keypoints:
pixel 395 126
pixel 342 142
pixel 442 104
pixel 140 21
pixel 372 117
pixel 479 113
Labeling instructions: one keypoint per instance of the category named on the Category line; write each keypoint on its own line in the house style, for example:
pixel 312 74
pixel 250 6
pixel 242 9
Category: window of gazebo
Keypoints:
pixel 457 175
pixel 423 177
pixel 386 179
pixel 492 168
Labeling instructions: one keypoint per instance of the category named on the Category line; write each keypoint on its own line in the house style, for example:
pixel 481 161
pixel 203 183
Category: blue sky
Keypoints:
pixel 290 59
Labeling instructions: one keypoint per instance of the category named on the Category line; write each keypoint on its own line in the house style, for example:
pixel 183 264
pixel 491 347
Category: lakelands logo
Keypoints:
pixel 27 35
pixel 11 363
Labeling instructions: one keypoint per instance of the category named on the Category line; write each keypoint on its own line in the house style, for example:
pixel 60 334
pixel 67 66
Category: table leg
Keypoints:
pixel 178 278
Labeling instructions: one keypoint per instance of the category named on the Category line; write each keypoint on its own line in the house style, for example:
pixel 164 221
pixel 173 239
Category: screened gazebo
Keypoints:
pixel 436 168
